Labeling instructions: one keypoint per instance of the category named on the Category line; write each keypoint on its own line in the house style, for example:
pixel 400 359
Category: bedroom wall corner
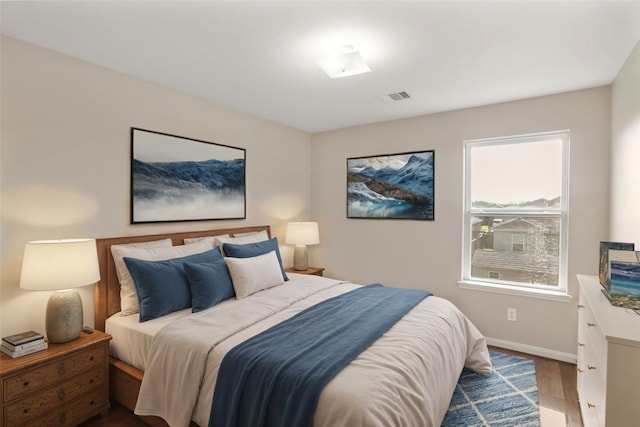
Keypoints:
pixel 625 152
pixel 427 254
pixel 64 168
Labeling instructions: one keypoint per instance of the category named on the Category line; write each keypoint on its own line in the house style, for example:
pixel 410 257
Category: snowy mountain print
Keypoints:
pixel 398 186
pixel 188 190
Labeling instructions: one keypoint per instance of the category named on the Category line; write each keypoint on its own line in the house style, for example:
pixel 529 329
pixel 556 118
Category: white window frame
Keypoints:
pixel 557 293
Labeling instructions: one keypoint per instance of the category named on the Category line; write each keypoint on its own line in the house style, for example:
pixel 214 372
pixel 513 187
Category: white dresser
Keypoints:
pixel 608 359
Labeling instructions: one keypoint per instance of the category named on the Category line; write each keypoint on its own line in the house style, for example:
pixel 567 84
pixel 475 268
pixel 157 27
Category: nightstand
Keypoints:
pixel 62 385
pixel 317 271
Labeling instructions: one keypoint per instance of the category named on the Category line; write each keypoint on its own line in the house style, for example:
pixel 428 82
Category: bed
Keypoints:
pixel 406 377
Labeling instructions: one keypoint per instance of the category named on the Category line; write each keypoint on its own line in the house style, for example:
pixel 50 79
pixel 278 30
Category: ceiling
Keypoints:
pixel 260 57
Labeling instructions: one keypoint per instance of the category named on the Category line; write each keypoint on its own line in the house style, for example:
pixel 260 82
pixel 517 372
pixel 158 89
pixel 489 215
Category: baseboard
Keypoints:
pixel 530 349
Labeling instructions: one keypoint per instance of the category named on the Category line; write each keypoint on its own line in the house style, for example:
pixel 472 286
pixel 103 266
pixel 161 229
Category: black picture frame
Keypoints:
pixel 392 186
pixel 175 178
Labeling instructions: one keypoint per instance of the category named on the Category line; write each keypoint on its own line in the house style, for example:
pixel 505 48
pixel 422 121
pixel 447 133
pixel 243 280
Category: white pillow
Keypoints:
pixel 262 233
pixel 128 295
pixel 242 238
pixel 209 239
pixel 250 275
pixel 164 243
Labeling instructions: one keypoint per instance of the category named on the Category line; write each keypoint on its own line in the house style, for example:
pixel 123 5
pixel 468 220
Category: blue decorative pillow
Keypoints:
pixel 209 284
pixel 162 286
pixel 251 250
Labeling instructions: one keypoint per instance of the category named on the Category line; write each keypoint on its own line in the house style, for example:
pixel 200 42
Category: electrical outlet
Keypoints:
pixel 512 314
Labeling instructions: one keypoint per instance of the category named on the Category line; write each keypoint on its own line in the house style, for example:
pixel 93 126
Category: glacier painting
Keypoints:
pixel 394 186
pixel 179 179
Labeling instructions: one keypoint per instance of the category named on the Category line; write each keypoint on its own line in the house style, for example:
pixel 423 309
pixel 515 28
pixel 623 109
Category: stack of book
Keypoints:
pixel 23 344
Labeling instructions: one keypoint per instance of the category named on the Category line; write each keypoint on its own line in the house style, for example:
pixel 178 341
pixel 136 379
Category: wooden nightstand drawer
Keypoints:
pixel 40 403
pixel 50 373
pixel 63 385
pixel 74 413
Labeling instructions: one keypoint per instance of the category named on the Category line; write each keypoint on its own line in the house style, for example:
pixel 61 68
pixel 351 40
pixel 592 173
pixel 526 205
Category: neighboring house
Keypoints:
pixel 516 250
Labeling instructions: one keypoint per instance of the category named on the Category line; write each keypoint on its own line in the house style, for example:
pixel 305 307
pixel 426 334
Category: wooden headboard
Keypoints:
pixel 107 290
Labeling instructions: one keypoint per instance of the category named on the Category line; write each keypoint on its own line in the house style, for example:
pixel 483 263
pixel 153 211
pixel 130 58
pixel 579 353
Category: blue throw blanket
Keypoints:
pixel 276 377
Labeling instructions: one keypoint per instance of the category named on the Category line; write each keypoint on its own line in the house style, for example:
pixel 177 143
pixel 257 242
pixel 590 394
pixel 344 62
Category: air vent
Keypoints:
pixel 397 96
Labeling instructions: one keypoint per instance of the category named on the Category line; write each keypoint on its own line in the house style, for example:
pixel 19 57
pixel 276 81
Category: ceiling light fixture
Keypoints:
pixel 345 62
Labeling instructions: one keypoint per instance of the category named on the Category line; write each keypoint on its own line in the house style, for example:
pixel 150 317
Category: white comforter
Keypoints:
pixel 405 378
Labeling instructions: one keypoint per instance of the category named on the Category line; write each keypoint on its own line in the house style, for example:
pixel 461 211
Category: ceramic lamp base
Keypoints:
pixel 64 316
pixel 300 258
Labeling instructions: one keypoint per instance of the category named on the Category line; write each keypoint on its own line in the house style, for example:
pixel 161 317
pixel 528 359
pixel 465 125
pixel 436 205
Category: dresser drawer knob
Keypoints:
pixel 591 367
pixel 25 384
pixel 589 324
pixel 61 370
pixel 581 344
pixel 25 411
pixel 591 405
pixel 91 381
pixel 91 359
pixel 91 403
pixel 580 306
pixel 580 370
pixel 61 394
pixel 63 418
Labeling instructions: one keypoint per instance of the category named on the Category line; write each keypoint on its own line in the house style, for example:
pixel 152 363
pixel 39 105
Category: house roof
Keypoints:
pixel 518 224
pixel 515 261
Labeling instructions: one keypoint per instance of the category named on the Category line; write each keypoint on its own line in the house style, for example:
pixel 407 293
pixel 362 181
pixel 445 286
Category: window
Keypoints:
pixel 517 242
pixel 515 213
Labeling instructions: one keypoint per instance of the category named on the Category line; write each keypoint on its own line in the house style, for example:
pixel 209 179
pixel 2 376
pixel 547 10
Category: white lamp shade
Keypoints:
pixel 50 265
pixel 302 233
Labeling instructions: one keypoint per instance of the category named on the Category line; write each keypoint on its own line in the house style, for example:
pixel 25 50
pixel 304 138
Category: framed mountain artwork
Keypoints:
pixel 391 186
pixel 174 178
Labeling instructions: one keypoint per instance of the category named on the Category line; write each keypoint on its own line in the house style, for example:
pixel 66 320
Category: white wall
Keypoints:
pixel 423 254
pixel 64 172
pixel 65 153
pixel 625 152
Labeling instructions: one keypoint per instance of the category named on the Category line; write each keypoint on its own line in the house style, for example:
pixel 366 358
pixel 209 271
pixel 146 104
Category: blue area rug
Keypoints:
pixel 506 397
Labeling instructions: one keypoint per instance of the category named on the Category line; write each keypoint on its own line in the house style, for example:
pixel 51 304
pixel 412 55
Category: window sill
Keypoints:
pixel 516 290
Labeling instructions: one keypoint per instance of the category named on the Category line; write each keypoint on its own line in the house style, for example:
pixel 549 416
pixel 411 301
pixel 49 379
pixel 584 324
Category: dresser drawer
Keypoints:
pixel 590 337
pixel 50 373
pixel 40 403
pixel 595 353
pixel 590 417
pixel 73 413
pixel 592 397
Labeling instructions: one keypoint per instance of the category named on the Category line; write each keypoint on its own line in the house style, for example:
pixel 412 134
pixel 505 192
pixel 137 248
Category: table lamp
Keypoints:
pixel 302 234
pixel 61 266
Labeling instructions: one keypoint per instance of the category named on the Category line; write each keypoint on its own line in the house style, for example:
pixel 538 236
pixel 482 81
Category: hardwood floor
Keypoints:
pixel 119 416
pixel 557 395
pixel 557 392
